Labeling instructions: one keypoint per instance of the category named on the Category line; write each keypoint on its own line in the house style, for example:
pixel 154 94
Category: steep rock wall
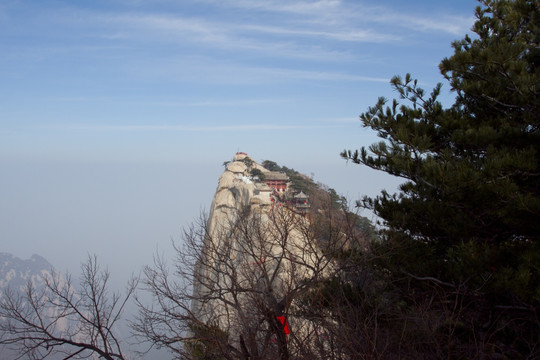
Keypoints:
pixel 256 256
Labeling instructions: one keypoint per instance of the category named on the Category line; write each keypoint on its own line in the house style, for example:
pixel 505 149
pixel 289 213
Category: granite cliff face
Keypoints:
pixel 237 189
pixel 257 258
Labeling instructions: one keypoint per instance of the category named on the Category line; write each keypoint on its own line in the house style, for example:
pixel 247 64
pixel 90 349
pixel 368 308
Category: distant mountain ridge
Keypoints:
pixel 15 272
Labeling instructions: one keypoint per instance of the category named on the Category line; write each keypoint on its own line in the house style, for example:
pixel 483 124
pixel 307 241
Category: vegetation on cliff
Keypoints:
pixel 305 184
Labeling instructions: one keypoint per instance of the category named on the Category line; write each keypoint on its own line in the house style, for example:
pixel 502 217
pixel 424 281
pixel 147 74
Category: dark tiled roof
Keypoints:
pixel 273 175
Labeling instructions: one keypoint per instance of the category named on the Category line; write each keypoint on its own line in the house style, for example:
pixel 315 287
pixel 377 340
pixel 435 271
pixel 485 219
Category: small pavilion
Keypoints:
pixel 301 202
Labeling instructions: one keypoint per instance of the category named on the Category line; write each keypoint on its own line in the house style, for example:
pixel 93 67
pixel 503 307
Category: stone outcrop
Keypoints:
pixel 237 189
pixel 256 257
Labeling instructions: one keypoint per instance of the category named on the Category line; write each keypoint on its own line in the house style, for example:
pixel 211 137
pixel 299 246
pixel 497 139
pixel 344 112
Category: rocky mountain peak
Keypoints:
pixel 15 272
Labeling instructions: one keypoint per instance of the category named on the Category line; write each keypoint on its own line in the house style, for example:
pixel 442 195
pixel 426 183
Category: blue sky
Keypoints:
pixel 117 115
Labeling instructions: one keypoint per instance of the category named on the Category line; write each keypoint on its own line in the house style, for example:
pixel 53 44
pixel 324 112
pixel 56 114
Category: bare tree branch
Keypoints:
pixel 237 286
pixel 60 319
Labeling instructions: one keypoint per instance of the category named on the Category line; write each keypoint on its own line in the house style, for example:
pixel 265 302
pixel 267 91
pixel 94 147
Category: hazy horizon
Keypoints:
pixel 117 115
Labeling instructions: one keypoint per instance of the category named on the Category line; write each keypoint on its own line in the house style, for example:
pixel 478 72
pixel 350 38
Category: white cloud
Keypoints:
pixel 329 13
pixel 192 28
pixel 219 103
pixel 192 128
pixel 172 103
pixel 317 75
pixel 455 25
pixel 308 30
pixel 297 7
pixel 239 74
pixel 229 36
pixel 354 35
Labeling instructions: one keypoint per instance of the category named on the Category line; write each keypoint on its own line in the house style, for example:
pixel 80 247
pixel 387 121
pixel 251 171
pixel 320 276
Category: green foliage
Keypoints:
pixel 366 227
pixel 247 161
pixel 475 166
pixel 258 173
pixel 337 200
pixel 476 162
pixel 299 182
pixel 466 221
pixel 271 165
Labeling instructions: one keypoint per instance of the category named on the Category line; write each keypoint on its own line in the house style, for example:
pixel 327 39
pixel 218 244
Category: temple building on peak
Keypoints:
pixel 277 181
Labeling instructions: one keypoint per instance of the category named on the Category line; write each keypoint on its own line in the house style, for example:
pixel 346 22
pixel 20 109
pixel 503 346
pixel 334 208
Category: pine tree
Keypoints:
pixel 467 216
